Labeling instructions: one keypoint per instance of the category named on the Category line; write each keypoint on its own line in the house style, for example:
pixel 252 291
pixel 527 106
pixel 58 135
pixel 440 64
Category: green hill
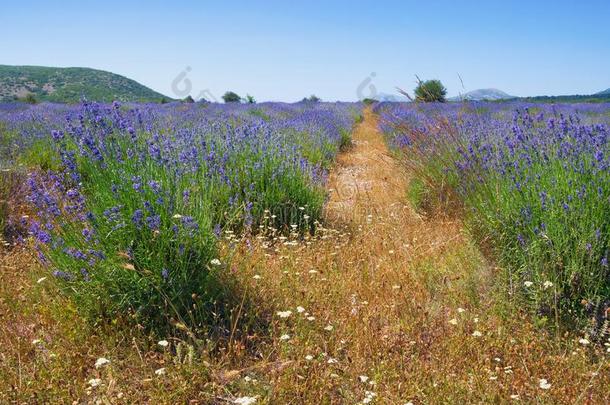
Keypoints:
pixel 69 85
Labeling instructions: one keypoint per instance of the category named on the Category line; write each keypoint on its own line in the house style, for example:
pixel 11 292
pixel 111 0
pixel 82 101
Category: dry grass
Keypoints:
pixel 390 302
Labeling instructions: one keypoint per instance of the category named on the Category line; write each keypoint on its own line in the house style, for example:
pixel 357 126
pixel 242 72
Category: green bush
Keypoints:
pixel 231 97
pixel 430 91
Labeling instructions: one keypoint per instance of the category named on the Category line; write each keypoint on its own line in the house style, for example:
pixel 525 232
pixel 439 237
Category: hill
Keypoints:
pixel 69 85
pixel 603 93
pixel 483 94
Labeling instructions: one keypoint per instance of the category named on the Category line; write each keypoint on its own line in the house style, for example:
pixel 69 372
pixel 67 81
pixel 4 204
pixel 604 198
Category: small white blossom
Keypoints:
pixel 36 342
pixel 285 337
pixel 41 279
pixel 547 284
pixel 257 277
pixel 528 283
pixel 300 309
pixel 284 314
pixel 177 216
pixel 477 333
pixel 363 378
pixel 245 400
pixel 215 262
pixel 461 310
pixel 311 318
pixel 309 357
pixel 328 328
pixel 160 371
pixel 453 321
pixel 101 362
pixel 583 341
pixel 94 382
pixel 163 343
pixel 544 384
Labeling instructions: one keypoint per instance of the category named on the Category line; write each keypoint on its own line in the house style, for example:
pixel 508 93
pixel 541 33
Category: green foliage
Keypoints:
pixel 40 155
pixel 417 194
pixel 231 97
pixel 312 99
pixel 188 99
pixel 30 99
pixel 70 85
pixel 369 101
pixel 250 99
pixel 430 91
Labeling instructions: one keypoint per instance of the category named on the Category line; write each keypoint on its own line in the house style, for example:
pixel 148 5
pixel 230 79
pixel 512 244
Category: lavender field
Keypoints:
pixel 233 242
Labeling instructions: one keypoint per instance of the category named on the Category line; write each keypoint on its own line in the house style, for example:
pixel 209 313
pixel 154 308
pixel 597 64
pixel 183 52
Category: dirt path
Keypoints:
pixel 367 179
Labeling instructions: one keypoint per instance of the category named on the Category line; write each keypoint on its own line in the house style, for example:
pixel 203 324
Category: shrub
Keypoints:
pixel 430 91
pixel 250 99
pixel 231 97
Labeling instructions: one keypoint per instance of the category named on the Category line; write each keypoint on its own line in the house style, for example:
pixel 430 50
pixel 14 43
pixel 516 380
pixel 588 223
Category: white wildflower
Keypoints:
pixel 101 362
pixel 177 216
pixel 36 342
pixel 477 333
pixel 257 277
pixel 300 309
pixel 95 382
pixel 40 280
pixel 284 314
pixel 453 321
pixel 363 378
pixel 309 357
pixel 163 343
pixel 160 371
pixel 285 337
pixel 461 310
pixel 311 318
pixel 528 283
pixel 547 284
pixel 245 400
pixel 544 384
pixel 583 341
pixel 328 328
pixel 215 262
pixel 514 396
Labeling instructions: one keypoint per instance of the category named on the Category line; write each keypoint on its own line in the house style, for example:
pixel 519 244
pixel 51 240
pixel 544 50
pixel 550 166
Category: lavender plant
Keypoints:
pixel 535 182
pixel 131 223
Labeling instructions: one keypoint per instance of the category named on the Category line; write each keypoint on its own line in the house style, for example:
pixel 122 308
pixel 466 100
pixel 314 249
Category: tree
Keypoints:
pixel 30 99
pixel 189 99
pixel 231 97
pixel 250 99
pixel 311 99
pixel 430 91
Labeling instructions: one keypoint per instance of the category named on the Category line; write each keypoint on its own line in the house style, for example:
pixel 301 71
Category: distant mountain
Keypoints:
pixel 603 93
pixel 70 85
pixel 483 94
pixel 390 97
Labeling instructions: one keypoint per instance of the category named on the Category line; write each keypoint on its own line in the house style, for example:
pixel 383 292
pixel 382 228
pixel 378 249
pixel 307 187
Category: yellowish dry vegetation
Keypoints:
pixel 382 306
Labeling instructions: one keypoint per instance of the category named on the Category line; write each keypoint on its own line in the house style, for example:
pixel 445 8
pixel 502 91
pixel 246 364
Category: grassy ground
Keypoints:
pixel 385 307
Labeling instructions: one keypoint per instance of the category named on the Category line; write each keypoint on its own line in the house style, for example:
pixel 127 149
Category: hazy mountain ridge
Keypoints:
pixel 70 85
pixel 483 94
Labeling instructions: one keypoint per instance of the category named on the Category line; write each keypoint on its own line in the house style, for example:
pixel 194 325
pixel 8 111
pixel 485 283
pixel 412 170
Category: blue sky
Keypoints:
pixel 284 50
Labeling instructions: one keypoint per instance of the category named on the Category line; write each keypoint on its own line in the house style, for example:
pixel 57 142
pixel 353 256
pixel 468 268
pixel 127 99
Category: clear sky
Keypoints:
pixel 285 50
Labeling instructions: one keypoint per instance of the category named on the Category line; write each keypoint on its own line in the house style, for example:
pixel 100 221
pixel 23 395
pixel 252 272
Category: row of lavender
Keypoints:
pixel 534 180
pixel 138 196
